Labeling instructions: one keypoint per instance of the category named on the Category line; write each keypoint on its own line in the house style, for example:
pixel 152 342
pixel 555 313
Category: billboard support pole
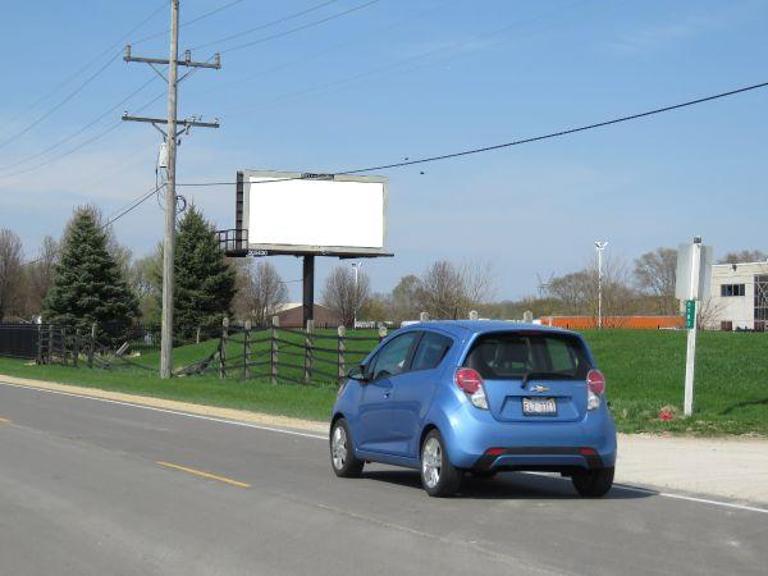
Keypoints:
pixel 308 304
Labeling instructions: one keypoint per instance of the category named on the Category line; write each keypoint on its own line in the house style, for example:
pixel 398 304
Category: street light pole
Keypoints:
pixel 600 245
pixel 356 266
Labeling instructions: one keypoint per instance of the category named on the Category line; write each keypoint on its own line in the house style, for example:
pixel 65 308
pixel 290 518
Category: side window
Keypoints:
pixel 391 359
pixel 431 351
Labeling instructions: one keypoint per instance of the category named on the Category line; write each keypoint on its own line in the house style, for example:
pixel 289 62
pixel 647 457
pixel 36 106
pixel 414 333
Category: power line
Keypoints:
pixel 280 20
pixel 194 20
pixel 405 61
pixel 61 103
pixel 131 206
pixel 70 78
pixel 98 136
pixel 81 130
pixel 300 28
pixel 518 142
pixel 121 212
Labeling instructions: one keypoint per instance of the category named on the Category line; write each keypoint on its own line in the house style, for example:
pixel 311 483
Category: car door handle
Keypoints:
pixel 387 394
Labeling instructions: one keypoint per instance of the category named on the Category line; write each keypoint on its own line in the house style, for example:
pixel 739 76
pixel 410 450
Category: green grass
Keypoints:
pixel 310 402
pixel 644 372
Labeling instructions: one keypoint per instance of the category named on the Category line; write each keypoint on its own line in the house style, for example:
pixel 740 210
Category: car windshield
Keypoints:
pixel 513 355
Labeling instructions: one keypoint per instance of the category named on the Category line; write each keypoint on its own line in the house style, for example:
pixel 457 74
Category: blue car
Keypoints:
pixel 478 397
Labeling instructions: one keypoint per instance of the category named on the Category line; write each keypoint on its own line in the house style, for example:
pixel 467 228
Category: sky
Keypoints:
pixel 357 83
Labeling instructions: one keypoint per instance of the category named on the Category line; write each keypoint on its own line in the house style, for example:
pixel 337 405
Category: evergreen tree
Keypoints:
pixel 205 282
pixel 88 285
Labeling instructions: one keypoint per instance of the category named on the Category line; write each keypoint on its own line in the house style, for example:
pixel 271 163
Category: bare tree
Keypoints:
pixel 40 273
pixel 655 274
pixel 11 272
pixel 404 304
pixel 744 256
pixel 260 292
pixel 449 291
pixel 145 278
pixel 345 296
pixel 578 291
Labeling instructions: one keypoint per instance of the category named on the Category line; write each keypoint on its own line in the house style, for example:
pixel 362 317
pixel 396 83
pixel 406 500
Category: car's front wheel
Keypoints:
pixel 593 483
pixel 438 476
pixel 343 460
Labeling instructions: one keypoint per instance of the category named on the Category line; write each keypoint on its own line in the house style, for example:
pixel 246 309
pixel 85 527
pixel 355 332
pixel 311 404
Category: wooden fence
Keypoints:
pixel 283 354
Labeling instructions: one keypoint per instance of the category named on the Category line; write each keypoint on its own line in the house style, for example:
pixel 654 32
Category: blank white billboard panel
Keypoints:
pixel 283 211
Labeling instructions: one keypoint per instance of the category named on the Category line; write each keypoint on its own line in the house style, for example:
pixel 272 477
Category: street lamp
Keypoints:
pixel 600 245
pixel 356 266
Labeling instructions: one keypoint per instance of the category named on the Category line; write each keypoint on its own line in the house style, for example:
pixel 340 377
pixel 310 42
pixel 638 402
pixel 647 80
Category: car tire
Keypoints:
pixel 593 483
pixel 439 477
pixel 343 460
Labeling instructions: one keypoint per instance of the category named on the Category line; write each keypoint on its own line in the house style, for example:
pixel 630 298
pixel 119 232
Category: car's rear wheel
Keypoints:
pixel 343 460
pixel 439 477
pixel 593 483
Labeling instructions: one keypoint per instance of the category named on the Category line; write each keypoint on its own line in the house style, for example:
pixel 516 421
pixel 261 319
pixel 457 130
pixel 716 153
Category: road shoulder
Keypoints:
pixel 725 467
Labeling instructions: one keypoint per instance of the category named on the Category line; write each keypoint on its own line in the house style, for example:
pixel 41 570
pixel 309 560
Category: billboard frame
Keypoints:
pixel 242 216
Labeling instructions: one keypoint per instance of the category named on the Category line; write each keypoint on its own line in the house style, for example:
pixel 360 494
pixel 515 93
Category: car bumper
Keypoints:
pixel 476 441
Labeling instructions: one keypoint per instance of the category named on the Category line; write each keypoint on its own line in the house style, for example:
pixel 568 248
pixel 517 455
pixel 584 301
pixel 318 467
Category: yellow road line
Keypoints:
pixel 204 474
pixel 4 420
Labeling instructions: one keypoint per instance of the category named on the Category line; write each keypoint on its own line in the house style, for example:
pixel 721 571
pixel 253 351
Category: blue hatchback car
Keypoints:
pixel 456 397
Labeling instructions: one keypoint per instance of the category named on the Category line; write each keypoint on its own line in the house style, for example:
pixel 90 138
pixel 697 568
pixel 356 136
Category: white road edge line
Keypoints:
pixel 169 411
pixel 672 495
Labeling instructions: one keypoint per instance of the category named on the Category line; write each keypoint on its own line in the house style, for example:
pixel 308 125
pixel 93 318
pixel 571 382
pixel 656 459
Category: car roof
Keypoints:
pixel 463 327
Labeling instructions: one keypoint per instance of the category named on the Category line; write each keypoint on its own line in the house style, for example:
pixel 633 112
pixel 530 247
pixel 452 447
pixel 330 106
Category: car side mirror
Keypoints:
pixel 358 374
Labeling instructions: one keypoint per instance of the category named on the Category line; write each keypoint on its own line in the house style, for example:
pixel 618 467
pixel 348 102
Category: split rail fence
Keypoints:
pixel 285 354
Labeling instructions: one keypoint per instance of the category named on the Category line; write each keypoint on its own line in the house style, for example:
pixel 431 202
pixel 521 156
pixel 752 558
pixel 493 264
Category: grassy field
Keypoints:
pixel 644 371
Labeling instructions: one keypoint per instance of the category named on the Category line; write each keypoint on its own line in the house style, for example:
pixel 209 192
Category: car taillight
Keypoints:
pixel 595 389
pixel 471 383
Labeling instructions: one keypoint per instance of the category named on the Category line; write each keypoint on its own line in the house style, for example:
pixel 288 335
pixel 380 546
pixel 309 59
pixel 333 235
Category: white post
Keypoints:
pixel 690 356
pixel 600 246
pixel 356 266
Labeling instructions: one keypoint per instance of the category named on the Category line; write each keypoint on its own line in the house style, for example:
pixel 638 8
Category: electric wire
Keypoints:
pixel 518 142
pixel 275 22
pixel 186 23
pixel 81 130
pixel 458 45
pixel 300 28
pixel 112 127
pixel 81 86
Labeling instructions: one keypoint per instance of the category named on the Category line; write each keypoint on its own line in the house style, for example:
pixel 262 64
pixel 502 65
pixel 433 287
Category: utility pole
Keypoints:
pixel 600 246
pixel 171 136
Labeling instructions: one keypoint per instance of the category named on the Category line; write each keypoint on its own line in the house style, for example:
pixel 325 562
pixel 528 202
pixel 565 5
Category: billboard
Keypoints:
pixel 306 213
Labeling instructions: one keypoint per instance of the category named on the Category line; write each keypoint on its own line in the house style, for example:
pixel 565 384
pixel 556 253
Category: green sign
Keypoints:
pixel 690 313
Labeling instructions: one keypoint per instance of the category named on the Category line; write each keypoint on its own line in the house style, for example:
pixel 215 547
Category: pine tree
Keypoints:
pixel 88 285
pixel 205 282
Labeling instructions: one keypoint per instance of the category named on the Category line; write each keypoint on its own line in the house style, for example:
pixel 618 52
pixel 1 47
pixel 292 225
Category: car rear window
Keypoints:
pixel 512 355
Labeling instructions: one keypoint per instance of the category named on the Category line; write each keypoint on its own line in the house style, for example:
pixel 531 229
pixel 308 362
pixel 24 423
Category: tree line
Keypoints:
pixel 87 276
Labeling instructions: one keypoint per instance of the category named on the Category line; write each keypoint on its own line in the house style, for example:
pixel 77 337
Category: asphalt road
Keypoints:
pixel 92 487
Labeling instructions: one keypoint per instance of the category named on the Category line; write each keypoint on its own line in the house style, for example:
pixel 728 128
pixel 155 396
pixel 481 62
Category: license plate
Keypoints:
pixel 539 407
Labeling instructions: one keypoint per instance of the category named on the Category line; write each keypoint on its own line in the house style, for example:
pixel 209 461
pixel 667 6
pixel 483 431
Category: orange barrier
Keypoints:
pixel 626 322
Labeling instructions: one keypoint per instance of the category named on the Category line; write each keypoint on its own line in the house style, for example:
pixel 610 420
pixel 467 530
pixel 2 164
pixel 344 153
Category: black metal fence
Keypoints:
pixel 20 340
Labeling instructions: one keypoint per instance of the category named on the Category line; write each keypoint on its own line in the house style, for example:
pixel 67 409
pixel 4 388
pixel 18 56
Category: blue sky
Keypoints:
pixel 412 78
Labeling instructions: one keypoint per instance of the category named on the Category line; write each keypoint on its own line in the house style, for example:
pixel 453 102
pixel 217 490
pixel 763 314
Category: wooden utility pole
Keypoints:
pixel 171 135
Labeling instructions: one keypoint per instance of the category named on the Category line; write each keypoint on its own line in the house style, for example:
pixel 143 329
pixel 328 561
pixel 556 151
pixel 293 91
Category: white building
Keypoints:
pixel 738 298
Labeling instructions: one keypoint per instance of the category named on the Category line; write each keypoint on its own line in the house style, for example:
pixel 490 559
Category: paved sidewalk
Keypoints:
pixel 734 468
